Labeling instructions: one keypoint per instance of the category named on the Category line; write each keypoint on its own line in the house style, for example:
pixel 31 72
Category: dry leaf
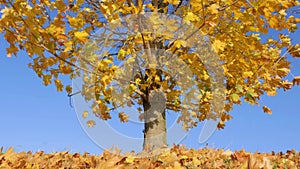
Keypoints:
pixel 267 110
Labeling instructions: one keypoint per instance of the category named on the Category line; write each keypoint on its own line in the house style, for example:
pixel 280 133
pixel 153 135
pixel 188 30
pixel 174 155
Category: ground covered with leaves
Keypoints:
pixel 177 157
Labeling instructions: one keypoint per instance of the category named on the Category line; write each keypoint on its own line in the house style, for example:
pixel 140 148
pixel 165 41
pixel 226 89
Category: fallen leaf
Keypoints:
pixel 267 110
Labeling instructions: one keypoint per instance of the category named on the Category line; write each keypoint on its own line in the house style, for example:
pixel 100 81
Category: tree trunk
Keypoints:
pixel 155 131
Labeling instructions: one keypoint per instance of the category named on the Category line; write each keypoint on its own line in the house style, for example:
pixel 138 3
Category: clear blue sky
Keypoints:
pixel 34 117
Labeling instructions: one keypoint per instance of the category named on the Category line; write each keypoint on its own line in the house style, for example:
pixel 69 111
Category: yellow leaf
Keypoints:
pixel 218 45
pixel 130 159
pixel 9 151
pixel 65 69
pixel 282 12
pixel 196 161
pixel 179 43
pixel 107 61
pixel 69 89
pixel 60 5
pixel 213 9
pixel 121 54
pixel 273 22
pixel 177 165
pixel 227 153
pixel 68 46
pixel 79 2
pixel 184 157
pixel 59 85
pixel 85 114
pixel 174 2
pixel 105 80
pixel 191 17
pixel 63 55
pixel 123 117
pixel 295 51
pixel 82 36
pixel 132 87
pixel 267 110
pixel 235 97
pixel 296 80
pixel 205 76
pixel 47 79
pixel 137 81
pixel 221 125
pixel 72 21
pixel 12 50
pixel 247 74
pixel 91 123
pixel 157 78
pixel 271 92
pixel 283 72
pixel 61 39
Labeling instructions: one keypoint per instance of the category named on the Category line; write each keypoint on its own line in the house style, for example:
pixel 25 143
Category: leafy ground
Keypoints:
pixel 177 157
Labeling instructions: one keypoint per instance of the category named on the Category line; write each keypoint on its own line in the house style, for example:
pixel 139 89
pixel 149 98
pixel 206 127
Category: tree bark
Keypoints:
pixel 154 104
pixel 155 132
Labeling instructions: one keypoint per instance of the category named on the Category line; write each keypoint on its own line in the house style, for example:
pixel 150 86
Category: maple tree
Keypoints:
pixel 57 34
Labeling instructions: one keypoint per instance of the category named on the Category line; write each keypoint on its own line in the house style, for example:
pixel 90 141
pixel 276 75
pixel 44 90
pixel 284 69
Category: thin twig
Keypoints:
pixel 226 6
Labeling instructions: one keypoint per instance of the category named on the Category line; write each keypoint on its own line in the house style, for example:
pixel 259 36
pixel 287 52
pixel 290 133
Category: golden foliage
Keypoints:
pixel 252 67
pixel 176 157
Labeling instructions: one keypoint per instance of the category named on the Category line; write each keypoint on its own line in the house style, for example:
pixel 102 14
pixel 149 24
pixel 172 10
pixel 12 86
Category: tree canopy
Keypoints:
pixel 251 38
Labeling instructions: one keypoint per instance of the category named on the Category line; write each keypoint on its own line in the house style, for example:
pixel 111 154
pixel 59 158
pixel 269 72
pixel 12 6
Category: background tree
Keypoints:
pixel 55 35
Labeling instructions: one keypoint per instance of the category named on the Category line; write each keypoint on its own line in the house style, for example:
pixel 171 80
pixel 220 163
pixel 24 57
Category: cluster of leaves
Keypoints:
pixel 54 32
pixel 177 157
